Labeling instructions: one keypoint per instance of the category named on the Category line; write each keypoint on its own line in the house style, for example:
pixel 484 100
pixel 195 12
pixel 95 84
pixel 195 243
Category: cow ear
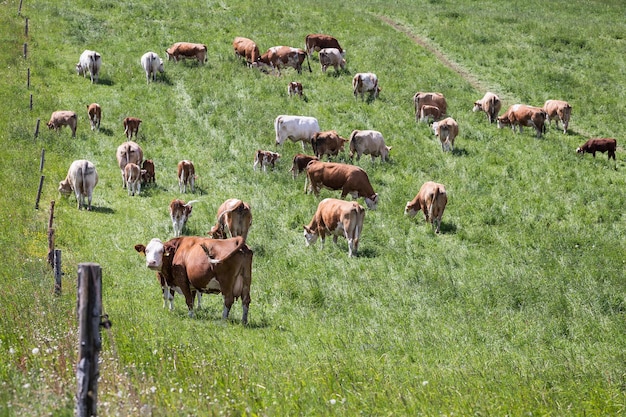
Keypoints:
pixel 140 249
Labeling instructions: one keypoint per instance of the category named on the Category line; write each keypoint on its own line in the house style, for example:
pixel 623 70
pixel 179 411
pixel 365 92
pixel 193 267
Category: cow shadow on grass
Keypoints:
pixel 366 253
pixel 165 79
pixel 105 81
pixel 447 228
pixel 103 210
pixel 106 131
pixel 460 152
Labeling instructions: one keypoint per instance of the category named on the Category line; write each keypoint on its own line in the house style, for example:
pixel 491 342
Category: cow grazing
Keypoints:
pixel 327 143
pixel 126 153
pixel 339 218
pixel 599 145
pixel 89 62
pixel 62 118
pixel 294 88
pixel 365 82
pixel 247 49
pixel 331 57
pixel 131 126
pixel 427 112
pixel 234 218
pixel 295 128
pixel 278 57
pixel 81 178
pixel 265 158
pixel 192 264
pixel 558 110
pixel 300 161
pixel 186 175
pixel 347 178
pixel 132 178
pixel 446 130
pixel 490 104
pixel 523 115
pixel 187 50
pixel 147 172
pixel 318 41
pixel 151 64
pixel 180 213
pixel 368 142
pixel 94 112
pixel 431 200
pixel 429 99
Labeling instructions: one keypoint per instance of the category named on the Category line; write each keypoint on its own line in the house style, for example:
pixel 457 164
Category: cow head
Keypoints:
pixel 65 188
pixel 372 201
pixel 153 252
pixel 411 208
pixel 79 69
pixel 310 235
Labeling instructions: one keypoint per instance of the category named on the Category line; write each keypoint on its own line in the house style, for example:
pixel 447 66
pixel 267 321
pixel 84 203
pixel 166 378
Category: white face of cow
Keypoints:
pixel 409 210
pixel 154 254
pixel 372 202
pixel 310 236
pixel 477 107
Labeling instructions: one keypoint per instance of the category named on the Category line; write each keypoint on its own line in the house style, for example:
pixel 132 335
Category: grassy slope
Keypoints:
pixel 518 306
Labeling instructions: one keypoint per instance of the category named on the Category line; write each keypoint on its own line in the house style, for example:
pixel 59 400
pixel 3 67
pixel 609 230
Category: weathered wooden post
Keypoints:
pixel 37 128
pixel 58 273
pixel 28 78
pixel 39 192
pixel 30 106
pixel 25 49
pixel 41 160
pixel 51 236
pixel 90 343
pixel 26 28
pixel 19 9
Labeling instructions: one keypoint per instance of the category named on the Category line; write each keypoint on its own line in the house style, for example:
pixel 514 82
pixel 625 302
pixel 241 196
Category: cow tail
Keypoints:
pixel 431 209
pixel 308 63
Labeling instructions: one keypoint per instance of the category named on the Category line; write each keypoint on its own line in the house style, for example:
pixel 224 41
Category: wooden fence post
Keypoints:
pixel 25 49
pixel 26 28
pixel 28 78
pixel 51 236
pixel 39 192
pixel 41 160
pixel 19 9
pixel 30 105
pixel 58 273
pixel 37 128
pixel 90 342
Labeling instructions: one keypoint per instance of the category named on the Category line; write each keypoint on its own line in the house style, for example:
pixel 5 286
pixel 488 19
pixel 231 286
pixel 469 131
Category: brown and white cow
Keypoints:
pixel 147 172
pixel 126 153
pixel 94 112
pixel 429 99
pixel 132 178
pixel 365 82
pixel 338 218
pixel 186 175
pixel 599 145
pixel 558 110
pixel 490 104
pixel 246 49
pixel 131 126
pixel 265 158
pixel 234 218
pixel 347 178
pixel 427 112
pixel 331 57
pixel 299 163
pixel 523 115
pixel 81 178
pixel 368 142
pixel 446 130
pixel 294 88
pixel 318 41
pixel 431 200
pixel 187 50
pixel 278 57
pixel 62 118
pixel 180 213
pixel 327 143
pixel 192 265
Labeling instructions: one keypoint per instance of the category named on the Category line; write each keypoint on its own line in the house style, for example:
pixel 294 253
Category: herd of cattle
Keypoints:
pixel 222 262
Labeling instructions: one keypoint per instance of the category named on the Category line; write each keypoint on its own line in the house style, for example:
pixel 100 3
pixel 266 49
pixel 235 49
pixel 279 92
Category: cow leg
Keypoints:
pixel 350 247
pixel 229 299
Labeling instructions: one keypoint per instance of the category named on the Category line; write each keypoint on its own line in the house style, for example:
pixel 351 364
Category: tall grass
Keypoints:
pixel 517 307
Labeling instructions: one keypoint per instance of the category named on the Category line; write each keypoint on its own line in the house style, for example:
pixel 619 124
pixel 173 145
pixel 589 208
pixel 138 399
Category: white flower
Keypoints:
pixel 11 351
pixel 153 389
pixel 424 383
pixel 35 351
pixel 333 401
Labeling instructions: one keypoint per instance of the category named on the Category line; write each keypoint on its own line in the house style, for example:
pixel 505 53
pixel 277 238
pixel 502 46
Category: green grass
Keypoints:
pixel 516 308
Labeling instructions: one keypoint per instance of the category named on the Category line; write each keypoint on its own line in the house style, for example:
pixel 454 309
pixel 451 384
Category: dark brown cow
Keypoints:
pixel 247 49
pixel 186 175
pixel 317 41
pixel 131 126
pixel 300 161
pixel 187 50
pixel 285 56
pixel 94 111
pixel 192 265
pixel 147 172
pixel 327 143
pixel 599 145
pixel 523 115
pixel 294 88
pixel 431 200
pixel 265 158
pixel 234 218
pixel 347 178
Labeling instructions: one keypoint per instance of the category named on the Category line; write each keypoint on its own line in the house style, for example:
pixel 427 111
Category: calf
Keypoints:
pixel 368 142
pixel 186 175
pixel 94 111
pixel 234 218
pixel 427 112
pixel 365 82
pixel 187 50
pixel 247 49
pixel 523 115
pixel 429 99
pixel 63 118
pixel 81 178
pixel 331 56
pixel 89 62
pixel 599 145
pixel 294 88
pixel 327 143
pixel 265 158
pixel 347 178
pixel 490 104
pixel 147 172
pixel 180 213
pixel 558 110
pixel 151 64
pixel 131 126
pixel 126 153
pixel 319 41
pixel 132 178
pixel 446 130
pixel 431 200
pixel 300 161
pixel 336 217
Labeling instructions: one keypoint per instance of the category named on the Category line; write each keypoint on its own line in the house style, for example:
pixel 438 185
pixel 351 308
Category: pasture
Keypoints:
pixel 518 306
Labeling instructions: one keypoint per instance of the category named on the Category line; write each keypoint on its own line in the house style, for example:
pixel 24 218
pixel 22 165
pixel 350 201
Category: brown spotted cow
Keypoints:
pixel 186 175
pixel 365 82
pixel 180 213
pixel 523 115
pixel 265 159
pixel 94 112
pixel 294 88
pixel 318 41
pixel 278 57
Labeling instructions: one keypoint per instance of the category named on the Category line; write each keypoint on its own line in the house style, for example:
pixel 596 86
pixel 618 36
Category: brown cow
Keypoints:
pixel 132 178
pixel 446 130
pixel 192 264
pixel 180 213
pixel 336 217
pixel 131 126
pixel 126 153
pixel 265 158
pixel 300 161
pixel 490 104
pixel 278 57
pixel 147 172
pixel 186 175
pixel 365 82
pixel 187 50
pixel 63 118
pixel 523 115
pixel 431 200
pixel 327 143
pixel 347 178
pixel 294 88
pixel 431 99
pixel 94 111
pixel 558 110
pixel 317 41
pixel 599 145
pixel 247 49
pixel 427 112
pixel 234 218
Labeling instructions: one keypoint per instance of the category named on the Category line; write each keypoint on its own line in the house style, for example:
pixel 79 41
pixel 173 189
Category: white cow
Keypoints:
pixel 151 64
pixel 368 142
pixel 446 130
pixel 89 62
pixel 295 128
pixel 365 82
pixel 331 56
pixel 81 178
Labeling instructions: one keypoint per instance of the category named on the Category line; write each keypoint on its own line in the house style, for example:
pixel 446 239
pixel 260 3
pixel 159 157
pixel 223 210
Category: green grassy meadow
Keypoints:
pixel 518 306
